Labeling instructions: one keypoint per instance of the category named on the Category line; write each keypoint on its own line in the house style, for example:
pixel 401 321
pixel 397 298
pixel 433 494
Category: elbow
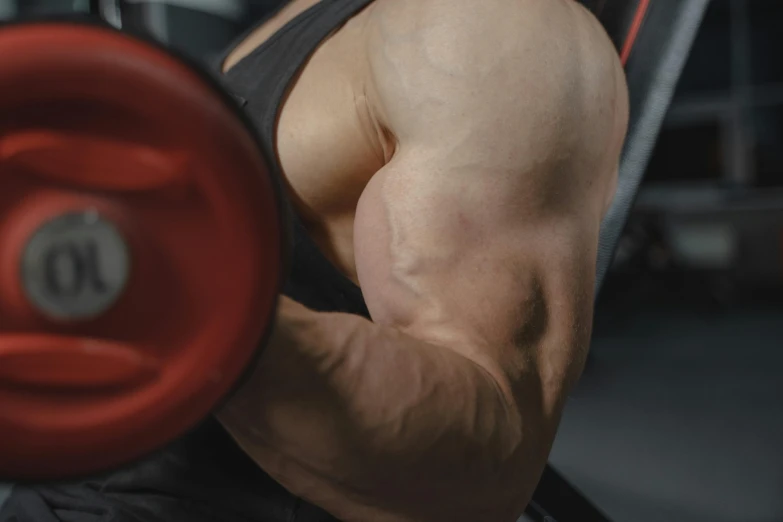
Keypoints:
pixel 512 460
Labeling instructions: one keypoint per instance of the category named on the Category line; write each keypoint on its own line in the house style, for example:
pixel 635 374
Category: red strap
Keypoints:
pixel 633 32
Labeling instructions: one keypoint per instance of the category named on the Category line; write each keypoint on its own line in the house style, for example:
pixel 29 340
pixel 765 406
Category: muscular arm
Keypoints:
pixel 475 249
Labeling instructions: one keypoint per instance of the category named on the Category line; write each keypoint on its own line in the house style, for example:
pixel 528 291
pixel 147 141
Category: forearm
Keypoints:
pixel 393 419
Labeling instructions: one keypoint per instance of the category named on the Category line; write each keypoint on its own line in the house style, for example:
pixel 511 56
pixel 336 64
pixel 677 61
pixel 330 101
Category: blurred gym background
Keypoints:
pixel 679 416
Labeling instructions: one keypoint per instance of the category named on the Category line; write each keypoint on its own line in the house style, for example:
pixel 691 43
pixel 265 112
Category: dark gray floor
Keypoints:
pixel 3 494
pixel 679 418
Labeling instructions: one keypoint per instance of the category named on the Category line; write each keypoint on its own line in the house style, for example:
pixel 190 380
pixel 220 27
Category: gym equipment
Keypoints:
pixel 653 38
pixel 142 241
pixel 173 22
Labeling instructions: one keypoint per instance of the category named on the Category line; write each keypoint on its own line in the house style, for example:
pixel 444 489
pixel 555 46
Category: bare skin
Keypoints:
pixel 455 159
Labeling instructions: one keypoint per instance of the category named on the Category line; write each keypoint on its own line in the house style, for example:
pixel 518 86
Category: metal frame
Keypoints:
pixel 109 11
pixel 153 20
pixel 732 110
pixel 653 71
pixel 556 500
pixel 8 9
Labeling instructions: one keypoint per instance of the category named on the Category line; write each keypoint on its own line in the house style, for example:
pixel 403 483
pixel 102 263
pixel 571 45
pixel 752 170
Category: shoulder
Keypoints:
pixel 500 27
pixel 554 47
pixel 542 72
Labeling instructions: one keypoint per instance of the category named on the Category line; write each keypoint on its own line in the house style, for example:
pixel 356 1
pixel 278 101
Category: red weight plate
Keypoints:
pixel 141 247
pixel 38 361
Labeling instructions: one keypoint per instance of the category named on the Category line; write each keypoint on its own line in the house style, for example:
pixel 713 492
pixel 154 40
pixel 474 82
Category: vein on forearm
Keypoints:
pixel 352 397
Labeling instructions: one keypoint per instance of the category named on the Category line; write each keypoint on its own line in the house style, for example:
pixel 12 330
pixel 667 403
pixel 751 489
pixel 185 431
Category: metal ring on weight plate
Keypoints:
pixel 75 267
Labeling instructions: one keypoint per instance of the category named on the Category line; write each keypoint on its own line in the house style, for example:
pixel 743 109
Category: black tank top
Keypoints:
pixel 227 480
pixel 204 476
pixel 259 82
